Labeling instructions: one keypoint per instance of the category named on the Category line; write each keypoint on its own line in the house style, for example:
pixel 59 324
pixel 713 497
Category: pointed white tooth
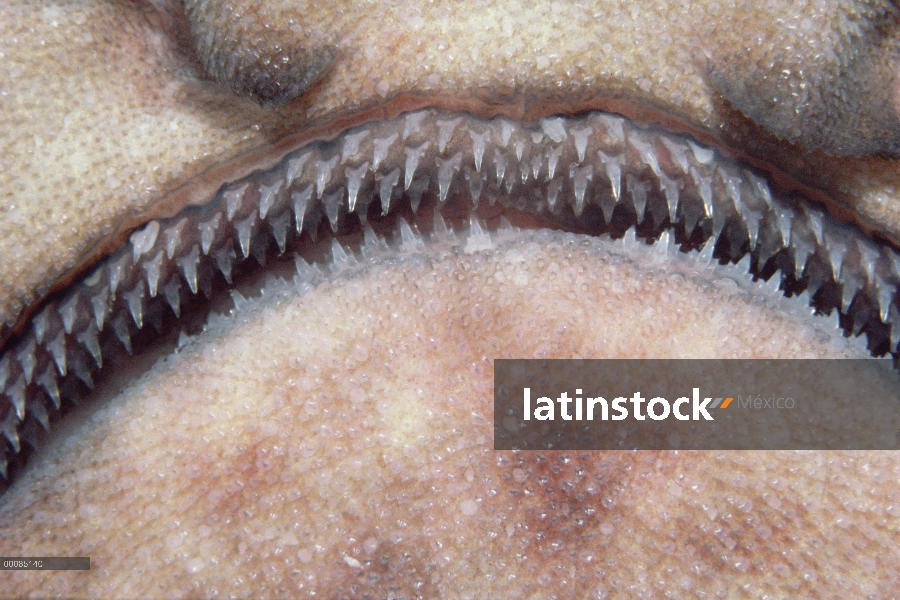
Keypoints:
pixel 224 257
pixel 553 156
pixel 630 237
pixel 10 432
pixel 68 311
pixel 47 380
pixel 615 127
pixel 354 181
pixel 153 269
pixel 473 178
pixel 613 172
pixel 760 187
pixel 439 229
pixel 645 149
pixel 40 324
pixel 802 250
pixel 638 191
pixel 555 129
pixel 445 131
pixel 751 219
pixel 27 359
pixel 868 258
pixel 207 231
pixel 413 156
pixel 245 233
pixel 500 162
pixel 409 238
pixel 703 155
pixel 238 298
pixel 351 144
pixel 16 394
pixel 171 292
pixel 884 296
pixel 301 201
pixel 662 245
pixel 370 238
pixel 850 284
pixel 479 143
pixel 580 177
pixel 188 266
pixel 837 249
pixel 386 188
pixel 553 190
pixel 537 162
pixel 88 339
pixel 117 272
pixel 670 187
pixel 234 198
pixel 678 154
pixel 279 227
pixel 412 124
pixel 581 141
pixel 173 236
pixel 295 168
pixel 142 240
pixel 506 131
pixel 324 169
pixel 267 196
pixel 120 326
pixel 732 187
pixel 816 222
pixel 135 300
pixel 332 204
pixel 478 239
pixel 82 371
pixel 706 254
pixel 36 408
pixel 57 349
pixel 704 188
pixel 784 218
pixel 510 182
pixel 340 258
pixel 446 169
pixel 519 147
pixel 743 265
pixel 381 146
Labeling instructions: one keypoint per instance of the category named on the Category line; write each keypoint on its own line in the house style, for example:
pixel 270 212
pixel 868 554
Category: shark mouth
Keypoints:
pixel 428 174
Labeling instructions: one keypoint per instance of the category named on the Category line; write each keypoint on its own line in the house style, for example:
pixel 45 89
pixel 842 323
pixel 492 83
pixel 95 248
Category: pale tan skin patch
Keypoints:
pixel 101 123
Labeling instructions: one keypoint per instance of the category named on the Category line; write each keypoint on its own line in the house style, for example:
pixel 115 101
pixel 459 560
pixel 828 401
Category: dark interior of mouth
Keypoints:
pixel 425 174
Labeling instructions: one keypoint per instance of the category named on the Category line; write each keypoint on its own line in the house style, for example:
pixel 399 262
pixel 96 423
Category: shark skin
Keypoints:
pixel 119 110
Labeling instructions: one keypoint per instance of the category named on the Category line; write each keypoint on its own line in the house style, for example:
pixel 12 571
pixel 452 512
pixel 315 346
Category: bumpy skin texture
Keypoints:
pixel 104 113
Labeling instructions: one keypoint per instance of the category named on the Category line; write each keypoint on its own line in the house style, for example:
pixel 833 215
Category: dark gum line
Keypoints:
pixel 204 307
pixel 199 190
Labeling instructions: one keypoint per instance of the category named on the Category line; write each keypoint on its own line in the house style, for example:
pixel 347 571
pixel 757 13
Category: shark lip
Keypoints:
pixel 376 178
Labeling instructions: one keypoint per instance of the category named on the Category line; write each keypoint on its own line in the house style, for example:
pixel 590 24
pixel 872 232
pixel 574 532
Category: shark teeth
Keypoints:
pixel 597 171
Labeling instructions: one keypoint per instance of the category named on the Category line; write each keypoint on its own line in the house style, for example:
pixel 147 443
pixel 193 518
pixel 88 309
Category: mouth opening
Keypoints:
pixel 433 174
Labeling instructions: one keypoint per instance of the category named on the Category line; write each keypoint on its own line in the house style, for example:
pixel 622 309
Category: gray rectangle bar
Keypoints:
pixel 713 404
pixel 45 563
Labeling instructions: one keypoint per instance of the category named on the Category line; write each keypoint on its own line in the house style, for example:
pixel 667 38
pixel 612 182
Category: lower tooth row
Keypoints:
pixel 597 171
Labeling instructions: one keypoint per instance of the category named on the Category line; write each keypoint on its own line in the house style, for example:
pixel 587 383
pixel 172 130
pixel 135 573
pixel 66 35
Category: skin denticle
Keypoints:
pixel 206 483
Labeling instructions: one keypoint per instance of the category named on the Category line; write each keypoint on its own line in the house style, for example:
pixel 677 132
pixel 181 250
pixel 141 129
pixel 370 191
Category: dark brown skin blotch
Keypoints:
pixel 826 82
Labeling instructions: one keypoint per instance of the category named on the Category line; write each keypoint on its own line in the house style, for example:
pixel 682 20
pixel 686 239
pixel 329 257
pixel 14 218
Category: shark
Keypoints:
pixel 315 226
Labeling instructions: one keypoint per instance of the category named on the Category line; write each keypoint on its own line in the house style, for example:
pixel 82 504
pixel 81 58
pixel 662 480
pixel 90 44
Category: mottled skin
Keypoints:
pixel 105 110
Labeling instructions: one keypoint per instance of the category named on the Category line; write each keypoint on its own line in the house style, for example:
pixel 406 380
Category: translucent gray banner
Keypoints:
pixel 696 404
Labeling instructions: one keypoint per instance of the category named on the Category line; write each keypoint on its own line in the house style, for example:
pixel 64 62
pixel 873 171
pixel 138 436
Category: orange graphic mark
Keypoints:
pixel 726 403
